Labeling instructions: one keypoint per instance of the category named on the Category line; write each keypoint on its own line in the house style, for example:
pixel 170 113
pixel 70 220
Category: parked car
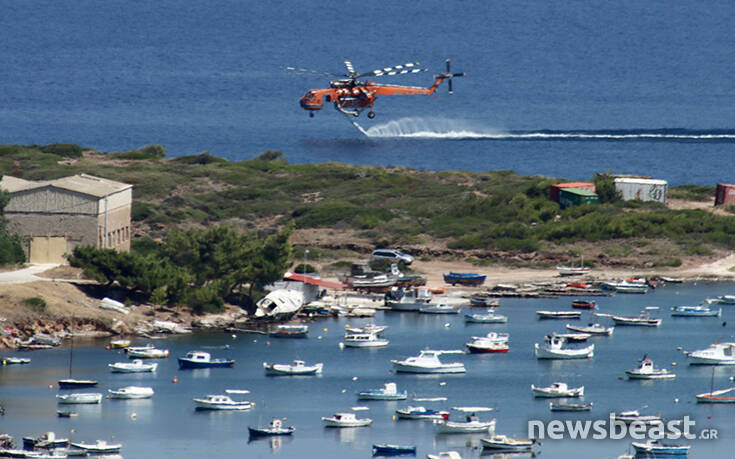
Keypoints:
pixel 392 255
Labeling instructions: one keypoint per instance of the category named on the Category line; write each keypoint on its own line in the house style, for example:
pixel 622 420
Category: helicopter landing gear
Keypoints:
pixel 371 114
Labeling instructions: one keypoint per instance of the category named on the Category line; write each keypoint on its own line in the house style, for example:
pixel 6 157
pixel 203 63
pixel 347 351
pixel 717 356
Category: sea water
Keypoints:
pixel 168 425
pixel 559 89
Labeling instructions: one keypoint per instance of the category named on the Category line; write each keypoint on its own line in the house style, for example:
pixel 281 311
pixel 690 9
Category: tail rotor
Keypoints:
pixel 449 75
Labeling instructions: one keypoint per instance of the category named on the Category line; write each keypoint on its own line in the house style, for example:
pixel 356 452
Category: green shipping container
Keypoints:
pixel 576 196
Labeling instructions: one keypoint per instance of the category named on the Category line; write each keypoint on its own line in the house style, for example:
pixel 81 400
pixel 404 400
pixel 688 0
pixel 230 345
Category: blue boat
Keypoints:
pixel 464 278
pixel 695 311
pixel 199 359
pixel 657 448
pixel 393 450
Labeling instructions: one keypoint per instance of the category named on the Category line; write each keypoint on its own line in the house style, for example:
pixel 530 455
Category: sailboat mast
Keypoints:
pixel 71 346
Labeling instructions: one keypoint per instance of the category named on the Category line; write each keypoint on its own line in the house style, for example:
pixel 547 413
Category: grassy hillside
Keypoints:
pixel 491 216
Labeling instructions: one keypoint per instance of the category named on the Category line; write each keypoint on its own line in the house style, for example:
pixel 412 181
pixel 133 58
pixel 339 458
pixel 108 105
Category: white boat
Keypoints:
pixel 279 304
pixel 48 440
pixel 439 309
pixel 471 423
pixel 644 319
pixel 389 391
pixel 79 398
pixel 15 361
pixel 646 370
pixel 493 342
pixel 421 413
pixel 632 416
pixel 298 367
pixel 428 362
pixel 147 352
pixel 136 366
pixel 489 318
pixel 723 299
pixel 360 311
pixel 559 314
pixel 411 299
pixel 695 311
pixel 99 447
pixel 445 455
pixel 505 443
pixel 557 390
pixel 119 343
pixel 571 270
pixel 345 420
pixel 131 392
pixel 553 348
pixel 220 402
pixel 592 329
pixel 4 452
pixel 631 287
pixel 715 354
pixel 717 396
pixel 364 340
pixel 369 328
pixel 657 449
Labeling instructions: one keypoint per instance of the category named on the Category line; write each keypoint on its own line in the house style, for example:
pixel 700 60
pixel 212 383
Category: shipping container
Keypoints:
pixel 642 189
pixel 575 197
pixel 554 189
pixel 725 194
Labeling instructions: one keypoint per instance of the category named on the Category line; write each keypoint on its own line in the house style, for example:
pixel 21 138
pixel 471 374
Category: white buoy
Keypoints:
pixel 442 383
pixel 344 390
pixel 676 400
pixel 673 364
pixel 341 345
pixel 318 337
pixel 447 325
pixel 355 378
pixel 234 336
pixel 133 416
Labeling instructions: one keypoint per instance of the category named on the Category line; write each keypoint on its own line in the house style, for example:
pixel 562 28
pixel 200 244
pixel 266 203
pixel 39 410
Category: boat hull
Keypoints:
pixel 485 319
pixel 564 354
pixel 446 369
pixel 379 396
pixel 76 383
pixel 186 363
pixel 79 399
pixel 269 432
pixel 331 422
pixel 479 349
pixel 632 374
pixel 451 427
pixel 362 344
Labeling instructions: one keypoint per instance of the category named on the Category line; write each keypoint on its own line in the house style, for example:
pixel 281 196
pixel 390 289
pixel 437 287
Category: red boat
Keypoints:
pixel 581 304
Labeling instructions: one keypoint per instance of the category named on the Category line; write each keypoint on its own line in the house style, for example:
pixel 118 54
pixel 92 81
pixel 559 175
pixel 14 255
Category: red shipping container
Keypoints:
pixel 725 193
pixel 554 189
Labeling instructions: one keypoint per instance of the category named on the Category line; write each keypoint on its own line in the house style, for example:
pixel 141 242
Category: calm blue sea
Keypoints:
pixel 562 89
pixel 168 426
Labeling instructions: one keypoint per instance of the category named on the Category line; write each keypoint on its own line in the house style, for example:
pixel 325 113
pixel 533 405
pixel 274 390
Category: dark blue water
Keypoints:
pixel 168 426
pixel 561 89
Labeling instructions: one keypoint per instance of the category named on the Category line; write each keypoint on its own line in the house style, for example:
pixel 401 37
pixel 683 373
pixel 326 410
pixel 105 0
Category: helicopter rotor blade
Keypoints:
pixel 350 68
pixel 403 69
pixel 311 72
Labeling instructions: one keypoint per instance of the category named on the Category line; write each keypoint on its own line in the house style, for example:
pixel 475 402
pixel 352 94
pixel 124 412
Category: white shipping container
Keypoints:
pixel 642 189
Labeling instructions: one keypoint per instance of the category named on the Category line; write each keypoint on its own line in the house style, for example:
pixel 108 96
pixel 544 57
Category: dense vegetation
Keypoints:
pixel 198 268
pixel 11 250
pixel 383 205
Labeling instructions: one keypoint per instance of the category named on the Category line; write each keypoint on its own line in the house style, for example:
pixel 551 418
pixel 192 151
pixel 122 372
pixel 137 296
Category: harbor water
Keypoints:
pixel 168 425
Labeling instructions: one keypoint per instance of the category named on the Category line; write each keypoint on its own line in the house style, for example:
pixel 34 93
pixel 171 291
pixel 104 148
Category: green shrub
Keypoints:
pixel 67 150
pixel 35 304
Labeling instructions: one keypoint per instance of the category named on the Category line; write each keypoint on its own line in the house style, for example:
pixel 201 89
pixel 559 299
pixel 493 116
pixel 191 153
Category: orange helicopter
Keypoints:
pixel 351 96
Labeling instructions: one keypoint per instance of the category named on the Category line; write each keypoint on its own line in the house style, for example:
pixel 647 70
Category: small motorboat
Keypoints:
pixel 490 318
pixel 421 413
pixel 275 428
pixel 79 398
pixel 471 423
pixel 629 287
pixel 290 331
pixel 99 447
pixel 479 301
pixel 56 454
pixel 445 455
pixel 369 328
pixel 220 402
pixel 298 367
pixel 581 304
pixel 695 311
pixel 345 420
pixel 644 319
pixel 428 362
pixel 389 391
pixel 46 441
pixel 147 352
pixel 574 337
pixel 119 343
pixel 646 370
pixel 492 343
pixel 553 348
pixel 723 299
pixel 131 392
pixel 505 443
pixel 559 406
pixel 66 414
pixel 364 340
pixel 592 329
pixel 658 448
pixel 439 309
pixel 472 279
pixel 385 449
pixel 557 390
pixel 16 361
pixel 632 416
pixel 136 366
pixel 717 396
pixel 715 354
pixel 559 314
pixel 201 359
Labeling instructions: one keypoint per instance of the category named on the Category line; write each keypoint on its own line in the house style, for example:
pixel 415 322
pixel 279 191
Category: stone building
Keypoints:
pixel 55 216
